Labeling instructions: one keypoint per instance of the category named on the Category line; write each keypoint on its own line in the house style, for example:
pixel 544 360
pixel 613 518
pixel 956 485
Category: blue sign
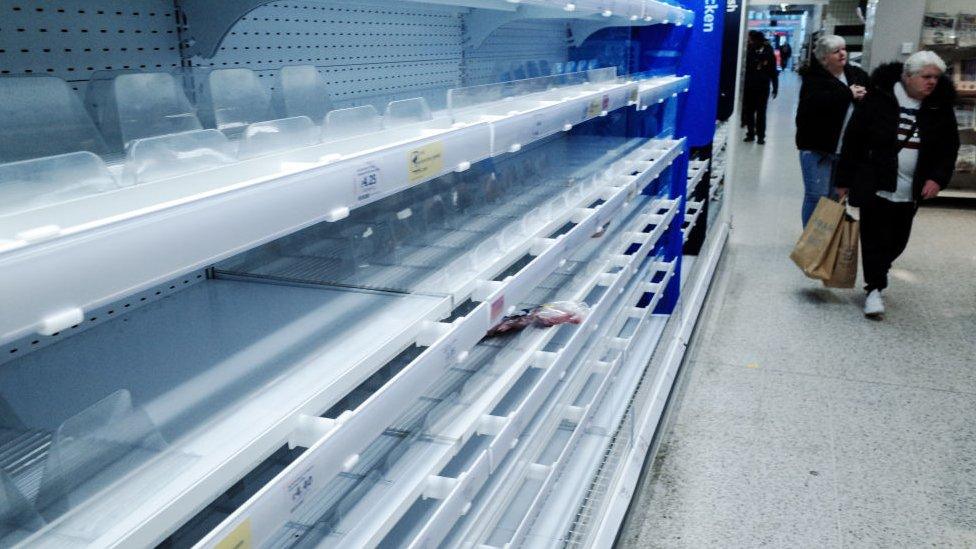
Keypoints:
pixel 702 59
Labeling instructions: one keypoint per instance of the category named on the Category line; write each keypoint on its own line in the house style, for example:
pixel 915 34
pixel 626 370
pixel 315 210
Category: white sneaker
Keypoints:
pixel 874 305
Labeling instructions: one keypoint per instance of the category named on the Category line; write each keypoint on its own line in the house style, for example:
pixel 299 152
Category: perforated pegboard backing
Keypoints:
pixel 71 39
pixel 516 42
pixel 368 52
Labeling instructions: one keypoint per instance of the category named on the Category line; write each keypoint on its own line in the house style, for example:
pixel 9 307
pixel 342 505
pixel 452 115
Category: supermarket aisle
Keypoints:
pixel 797 422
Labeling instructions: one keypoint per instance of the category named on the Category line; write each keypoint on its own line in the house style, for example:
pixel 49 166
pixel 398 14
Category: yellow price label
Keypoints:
pixel 425 162
pixel 240 538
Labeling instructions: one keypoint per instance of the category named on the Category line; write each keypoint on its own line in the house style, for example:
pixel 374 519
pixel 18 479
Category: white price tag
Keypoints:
pixel 299 488
pixel 537 124
pixel 367 181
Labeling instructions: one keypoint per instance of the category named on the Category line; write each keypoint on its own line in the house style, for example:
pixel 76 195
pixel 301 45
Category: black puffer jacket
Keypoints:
pixel 824 101
pixel 761 69
pixel 869 161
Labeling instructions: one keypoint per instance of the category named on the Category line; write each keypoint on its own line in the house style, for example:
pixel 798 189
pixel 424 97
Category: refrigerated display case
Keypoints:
pixel 249 271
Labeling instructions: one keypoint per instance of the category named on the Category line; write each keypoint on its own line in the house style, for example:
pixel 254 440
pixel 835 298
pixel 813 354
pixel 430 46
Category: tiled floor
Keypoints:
pixel 797 422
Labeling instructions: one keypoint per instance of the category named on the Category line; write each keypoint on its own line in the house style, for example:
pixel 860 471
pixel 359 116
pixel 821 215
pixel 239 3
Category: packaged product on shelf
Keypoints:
pixel 965 75
pixel 601 231
pixel 966 117
pixel 512 323
pixel 966 159
pixel 966 30
pixel 938 28
pixel 561 312
pixel 543 316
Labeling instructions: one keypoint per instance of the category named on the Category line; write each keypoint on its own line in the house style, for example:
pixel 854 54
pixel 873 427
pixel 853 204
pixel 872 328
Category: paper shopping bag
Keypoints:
pixel 844 252
pixel 810 252
pixel 824 268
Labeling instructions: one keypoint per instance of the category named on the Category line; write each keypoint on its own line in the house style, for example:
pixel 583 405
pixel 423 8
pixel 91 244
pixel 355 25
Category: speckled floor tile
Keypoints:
pixel 797 422
pixel 735 460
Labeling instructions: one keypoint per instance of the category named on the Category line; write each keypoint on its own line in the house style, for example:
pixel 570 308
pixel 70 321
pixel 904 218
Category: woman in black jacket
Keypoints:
pixel 900 147
pixel 830 89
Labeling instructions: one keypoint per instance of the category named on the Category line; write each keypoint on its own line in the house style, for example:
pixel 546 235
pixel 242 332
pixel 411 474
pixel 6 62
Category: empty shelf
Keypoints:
pixel 217 368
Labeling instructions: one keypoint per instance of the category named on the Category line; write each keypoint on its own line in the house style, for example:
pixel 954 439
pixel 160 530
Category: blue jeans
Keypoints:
pixel 818 179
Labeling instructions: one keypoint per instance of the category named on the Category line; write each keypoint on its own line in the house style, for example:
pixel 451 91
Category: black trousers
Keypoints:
pixel 754 102
pixel 885 228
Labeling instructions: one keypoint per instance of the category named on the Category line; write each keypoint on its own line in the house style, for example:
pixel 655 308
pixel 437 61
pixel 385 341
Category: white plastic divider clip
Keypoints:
pixel 491 425
pixel 574 413
pixel 309 430
pixel 439 487
pixel 60 321
pixel 484 289
pixel 545 359
pixel 430 332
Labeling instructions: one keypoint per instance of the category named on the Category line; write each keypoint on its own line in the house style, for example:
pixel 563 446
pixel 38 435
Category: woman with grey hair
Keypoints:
pixel 830 89
pixel 900 148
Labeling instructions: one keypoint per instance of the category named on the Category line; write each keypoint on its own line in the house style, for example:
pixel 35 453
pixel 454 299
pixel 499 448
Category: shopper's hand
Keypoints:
pixel 841 193
pixel 858 92
pixel 930 190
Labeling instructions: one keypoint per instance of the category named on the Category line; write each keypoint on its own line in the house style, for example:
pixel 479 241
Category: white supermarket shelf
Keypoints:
pixel 633 10
pixel 658 383
pixel 696 171
pixel 958 193
pixel 597 479
pixel 220 430
pixel 512 492
pixel 504 428
pixel 268 510
pixel 54 262
pixel 505 514
pixel 565 511
pixel 718 170
pixel 452 344
pixel 240 359
pixel 659 89
pixel 693 211
pixel 643 329
pixel 721 139
pixel 415 474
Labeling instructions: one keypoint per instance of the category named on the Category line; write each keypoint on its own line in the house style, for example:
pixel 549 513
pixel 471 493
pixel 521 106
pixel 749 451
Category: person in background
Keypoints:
pixel 785 54
pixel 862 10
pixel 831 87
pixel 760 73
pixel 900 147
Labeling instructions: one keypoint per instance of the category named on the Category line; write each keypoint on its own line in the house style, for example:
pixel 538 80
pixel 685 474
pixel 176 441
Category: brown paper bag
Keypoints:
pixel 844 253
pixel 810 252
pixel 824 269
